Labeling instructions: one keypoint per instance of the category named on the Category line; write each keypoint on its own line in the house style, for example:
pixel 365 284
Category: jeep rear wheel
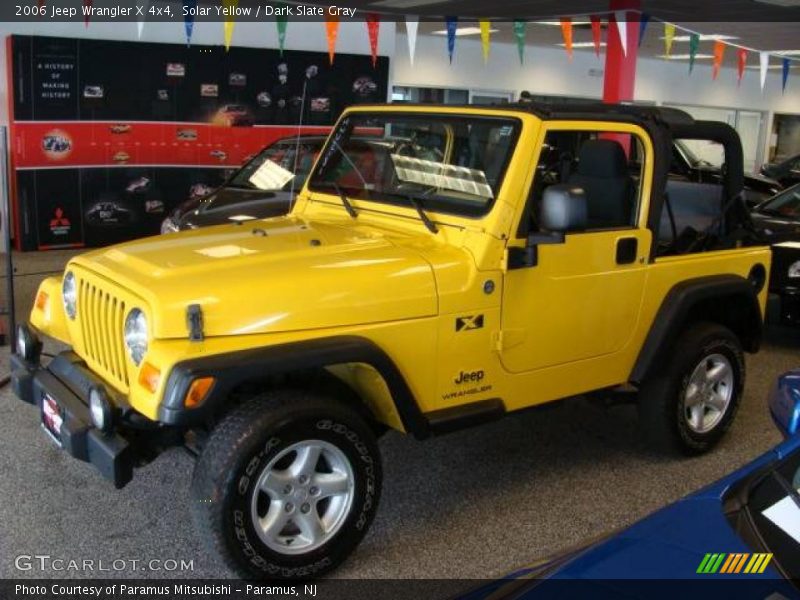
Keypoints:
pixel 287 485
pixel 691 403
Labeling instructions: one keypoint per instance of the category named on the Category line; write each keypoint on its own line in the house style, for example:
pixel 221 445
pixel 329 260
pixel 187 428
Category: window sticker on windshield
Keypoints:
pixel 271 176
pixel 442 176
pixel 786 515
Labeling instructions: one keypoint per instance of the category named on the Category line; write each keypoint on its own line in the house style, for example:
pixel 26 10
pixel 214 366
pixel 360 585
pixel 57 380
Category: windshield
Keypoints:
pixel 774 507
pixel 785 204
pixel 448 164
pixel 258 175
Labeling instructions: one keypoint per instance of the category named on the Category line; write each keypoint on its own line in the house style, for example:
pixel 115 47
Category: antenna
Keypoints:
pixel 297 144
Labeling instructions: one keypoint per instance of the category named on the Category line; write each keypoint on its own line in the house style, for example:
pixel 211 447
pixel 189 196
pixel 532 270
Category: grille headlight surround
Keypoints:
pixel 794 270
pixel 69 294
pixel 135 334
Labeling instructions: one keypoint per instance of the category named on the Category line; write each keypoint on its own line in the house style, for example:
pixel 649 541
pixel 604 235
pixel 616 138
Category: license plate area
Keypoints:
pixel 52 417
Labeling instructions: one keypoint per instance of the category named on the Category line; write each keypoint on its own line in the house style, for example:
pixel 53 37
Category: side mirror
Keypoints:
pixel 784 403
pixel 564 209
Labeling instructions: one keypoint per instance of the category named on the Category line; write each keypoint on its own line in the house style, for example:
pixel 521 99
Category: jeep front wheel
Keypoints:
pixel 287 485
pixel 691 403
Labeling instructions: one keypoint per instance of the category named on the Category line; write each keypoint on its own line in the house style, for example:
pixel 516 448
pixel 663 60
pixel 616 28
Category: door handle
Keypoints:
pixel 627 249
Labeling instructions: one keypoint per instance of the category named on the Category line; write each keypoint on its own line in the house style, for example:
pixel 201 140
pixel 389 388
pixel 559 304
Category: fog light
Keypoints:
pixel 100 409
pixel 28 345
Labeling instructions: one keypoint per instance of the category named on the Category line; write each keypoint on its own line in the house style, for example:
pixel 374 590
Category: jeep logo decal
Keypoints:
pixel 467 323
pixel 469 377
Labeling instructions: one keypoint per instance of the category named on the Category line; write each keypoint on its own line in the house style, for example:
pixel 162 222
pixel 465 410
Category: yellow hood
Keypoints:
pixel 269 276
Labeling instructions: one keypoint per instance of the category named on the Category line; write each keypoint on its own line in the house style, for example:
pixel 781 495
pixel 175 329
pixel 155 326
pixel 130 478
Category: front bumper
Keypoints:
pixel 67 381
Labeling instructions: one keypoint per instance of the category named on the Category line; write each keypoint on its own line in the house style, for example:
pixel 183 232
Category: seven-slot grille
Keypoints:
pixel 102 317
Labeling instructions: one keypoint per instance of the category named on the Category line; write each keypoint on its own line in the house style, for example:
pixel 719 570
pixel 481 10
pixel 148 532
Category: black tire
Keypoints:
pixel 239 450
pixel 663 412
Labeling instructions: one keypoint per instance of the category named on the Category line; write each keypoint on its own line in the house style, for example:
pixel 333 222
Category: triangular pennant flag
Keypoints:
pixel 86 4
pixel 566 32
pixel 281 22
pixel 597 33
pixel 144 5
pixel 230 21
pixel 40 3
pixel 742 62
pixel 412 24
pixel 332 31
pixel 373 30
pixel 763 59
pixel 190 7
pixel 622 29
pixel 486 35
pixel 694 46
pixel 452 26
pixel 719 53
pixel 644 19
pixel 786 65
pixel 519 34
pixel 669 36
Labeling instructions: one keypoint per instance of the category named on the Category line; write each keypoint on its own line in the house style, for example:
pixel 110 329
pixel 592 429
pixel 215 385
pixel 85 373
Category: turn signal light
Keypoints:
pixel 42 301
pixel 149 377
pixel 198 391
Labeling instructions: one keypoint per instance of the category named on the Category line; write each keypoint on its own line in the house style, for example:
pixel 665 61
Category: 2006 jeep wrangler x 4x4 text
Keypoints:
pixel 441 267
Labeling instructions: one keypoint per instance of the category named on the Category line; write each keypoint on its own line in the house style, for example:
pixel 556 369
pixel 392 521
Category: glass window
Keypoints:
pixel 451 164
pixel 601 164
pixel 287 154
pixel 785 204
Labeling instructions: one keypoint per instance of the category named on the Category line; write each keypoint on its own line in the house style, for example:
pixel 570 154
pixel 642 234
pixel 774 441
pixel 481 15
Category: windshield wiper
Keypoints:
pixel 348 206
pixel 430 225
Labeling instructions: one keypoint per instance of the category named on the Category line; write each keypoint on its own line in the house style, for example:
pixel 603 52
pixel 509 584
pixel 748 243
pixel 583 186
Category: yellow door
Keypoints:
pixel 582 298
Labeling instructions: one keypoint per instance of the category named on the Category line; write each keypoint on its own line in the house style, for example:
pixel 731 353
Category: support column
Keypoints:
pixel 620 70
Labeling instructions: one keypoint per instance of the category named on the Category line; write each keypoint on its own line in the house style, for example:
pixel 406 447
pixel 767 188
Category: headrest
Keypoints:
pixel 602 159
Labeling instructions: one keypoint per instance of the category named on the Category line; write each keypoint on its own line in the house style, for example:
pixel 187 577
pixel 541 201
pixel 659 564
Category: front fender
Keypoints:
pixel 47 315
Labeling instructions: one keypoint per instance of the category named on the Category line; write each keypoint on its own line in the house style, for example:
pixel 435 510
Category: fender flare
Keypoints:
pixel 231 369
pixel 676 308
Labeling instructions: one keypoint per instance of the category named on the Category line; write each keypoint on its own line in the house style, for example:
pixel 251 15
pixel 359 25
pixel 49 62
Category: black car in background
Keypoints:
pixel 757 188
pixel 256 191
pixel 786 172
pixel 778 219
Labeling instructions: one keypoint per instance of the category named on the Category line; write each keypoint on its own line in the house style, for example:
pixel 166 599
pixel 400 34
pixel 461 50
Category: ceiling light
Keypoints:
pixel 582 45
pixel 787 53
pixel 703 38
pixel 684 56
pixel 464 31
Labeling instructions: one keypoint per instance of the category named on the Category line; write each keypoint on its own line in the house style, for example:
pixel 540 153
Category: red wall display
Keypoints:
pixel 138 126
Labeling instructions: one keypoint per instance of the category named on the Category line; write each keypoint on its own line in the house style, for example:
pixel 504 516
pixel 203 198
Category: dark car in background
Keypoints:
pixel 255 191
pixel 685 162
pixel 786 172
pixel 778 220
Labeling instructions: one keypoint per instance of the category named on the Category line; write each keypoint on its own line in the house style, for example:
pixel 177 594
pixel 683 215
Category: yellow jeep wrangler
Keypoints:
pixel 441 267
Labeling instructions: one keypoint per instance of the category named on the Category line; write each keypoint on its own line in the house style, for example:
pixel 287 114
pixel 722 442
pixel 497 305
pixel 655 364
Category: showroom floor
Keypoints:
pixel 483 501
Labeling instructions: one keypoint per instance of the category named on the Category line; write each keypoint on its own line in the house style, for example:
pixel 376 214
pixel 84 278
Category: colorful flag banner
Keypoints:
pixel 566 32
pixel 230 21
pixel 786 66
pixel 486 34
pixel 332 31
pixel 763 59
pixel 373 30
pixel 188 20
pixel 412 24
pixel 644 19
pixel 719 54
pixel 144 5
pixel 597 33
pixel 519 34
pixel 452 26
pixel 87 4
pixel 622 29
pixel 694 46
pixel 669 37
pixel 281 22
pixel 741 64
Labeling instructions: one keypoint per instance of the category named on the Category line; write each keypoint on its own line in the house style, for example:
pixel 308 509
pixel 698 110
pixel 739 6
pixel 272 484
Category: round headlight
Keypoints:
pixel 794 270
pixel 69 293
pixel 100 409
pixel 136 335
